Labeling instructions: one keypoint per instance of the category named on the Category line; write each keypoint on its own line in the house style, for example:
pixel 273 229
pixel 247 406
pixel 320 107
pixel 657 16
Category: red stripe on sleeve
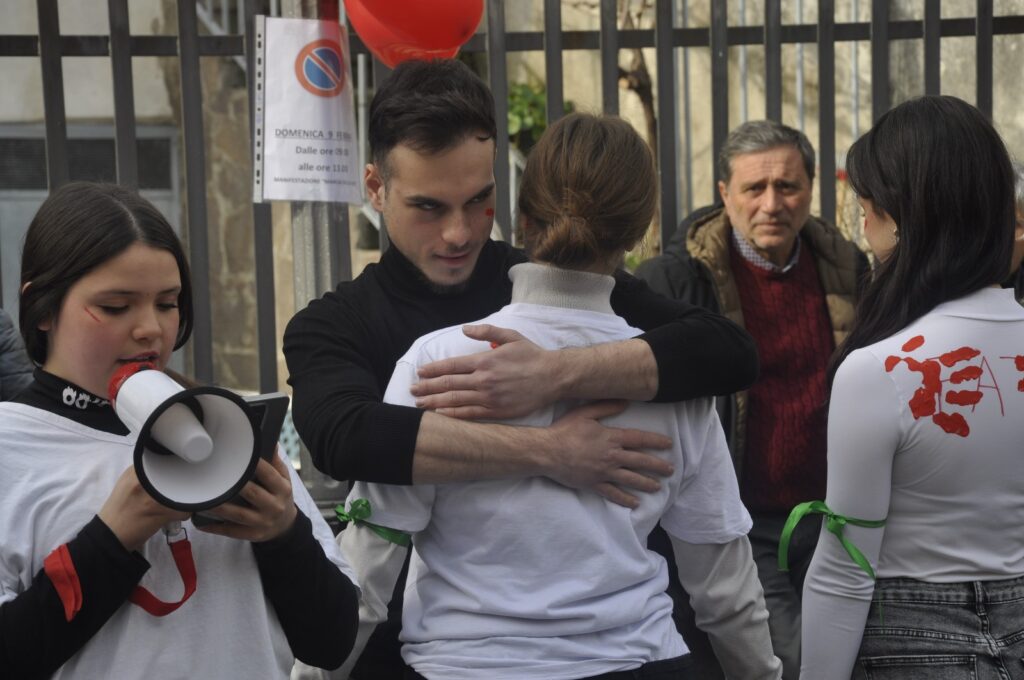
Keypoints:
pixel 61 570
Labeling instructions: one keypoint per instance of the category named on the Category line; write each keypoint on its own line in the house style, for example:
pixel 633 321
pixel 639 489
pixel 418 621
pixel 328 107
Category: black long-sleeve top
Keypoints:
pixel 341 351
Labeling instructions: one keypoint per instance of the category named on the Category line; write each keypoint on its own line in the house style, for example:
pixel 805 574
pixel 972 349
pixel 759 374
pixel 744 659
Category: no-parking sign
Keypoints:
pixel 305 141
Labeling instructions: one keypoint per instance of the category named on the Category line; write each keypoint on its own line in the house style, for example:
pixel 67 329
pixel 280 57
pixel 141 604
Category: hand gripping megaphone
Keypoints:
pixel 196 448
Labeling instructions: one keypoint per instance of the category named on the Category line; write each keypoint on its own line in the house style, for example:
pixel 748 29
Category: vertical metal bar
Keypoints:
pixel 827 109
pixel 195 182
pixel 719 84
pixel 380 74
pixel 773 59
pixel 320 231
pixel 609 58
pixel 800 69
pixel 879 58
pixel 667 172
pixel 744 75
pixel 687 122
pixel 362 108
pixel 263 230
pixel 497 73
pixel 53 93
pixel 932 46
pixel 553 58
pixel 124 96
pixel 854 77
pixel 984 61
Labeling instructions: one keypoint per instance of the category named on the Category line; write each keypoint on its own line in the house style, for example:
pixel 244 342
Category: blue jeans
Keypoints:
pixel 944 631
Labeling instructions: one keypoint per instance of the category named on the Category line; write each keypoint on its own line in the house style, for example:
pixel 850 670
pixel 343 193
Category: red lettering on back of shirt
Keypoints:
pixel 928 398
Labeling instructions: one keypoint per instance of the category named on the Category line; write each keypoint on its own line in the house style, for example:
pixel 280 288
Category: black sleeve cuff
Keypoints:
pixel 317 605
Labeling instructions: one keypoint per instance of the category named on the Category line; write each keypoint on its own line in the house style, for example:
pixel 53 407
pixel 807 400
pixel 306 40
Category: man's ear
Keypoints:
pixel 375 189
pixel 723 190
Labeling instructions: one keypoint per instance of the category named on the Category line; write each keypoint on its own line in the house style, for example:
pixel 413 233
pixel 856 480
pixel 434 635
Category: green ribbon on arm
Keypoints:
pixel 359 511
pixel 834 524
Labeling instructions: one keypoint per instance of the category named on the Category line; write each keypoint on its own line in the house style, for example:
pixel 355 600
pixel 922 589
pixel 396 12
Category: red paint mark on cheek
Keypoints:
pixel 1020 386
pixel 489 212
pixel 1018 361
pixel 913 343
pixel 94 317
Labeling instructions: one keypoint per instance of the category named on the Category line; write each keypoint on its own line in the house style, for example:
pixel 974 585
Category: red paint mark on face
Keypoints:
pixel 1020 386
pixel 1018 361
pixel 94 317
pixel 495 345
pixel 891 362
pixel 953 423
pixel 963 397
pixel 489 212
pixel 913 343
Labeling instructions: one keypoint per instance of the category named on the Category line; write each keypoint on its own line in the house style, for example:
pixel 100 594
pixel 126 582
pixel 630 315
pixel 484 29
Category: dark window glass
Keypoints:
pixel 23 162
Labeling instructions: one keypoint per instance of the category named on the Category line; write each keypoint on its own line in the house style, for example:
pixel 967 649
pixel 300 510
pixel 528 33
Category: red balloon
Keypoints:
pixel 438 38
pixel 434 24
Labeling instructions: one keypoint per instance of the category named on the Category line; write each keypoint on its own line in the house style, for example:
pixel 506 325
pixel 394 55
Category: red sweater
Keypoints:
pixel 784 461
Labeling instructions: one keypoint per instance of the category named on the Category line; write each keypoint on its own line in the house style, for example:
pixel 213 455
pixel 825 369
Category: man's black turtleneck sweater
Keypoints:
pixel 341 351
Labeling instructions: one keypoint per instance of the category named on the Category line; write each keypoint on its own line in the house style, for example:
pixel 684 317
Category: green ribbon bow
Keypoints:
pixel 834 524
pixel 359 511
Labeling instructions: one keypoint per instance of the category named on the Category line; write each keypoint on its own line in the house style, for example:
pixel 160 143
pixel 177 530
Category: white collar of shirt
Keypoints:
pixel 542 284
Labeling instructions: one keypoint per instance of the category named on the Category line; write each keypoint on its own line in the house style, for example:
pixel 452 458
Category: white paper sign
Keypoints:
pixel 305 141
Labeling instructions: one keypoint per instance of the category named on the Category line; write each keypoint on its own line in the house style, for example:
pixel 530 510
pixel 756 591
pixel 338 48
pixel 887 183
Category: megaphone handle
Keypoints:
pixel 172 529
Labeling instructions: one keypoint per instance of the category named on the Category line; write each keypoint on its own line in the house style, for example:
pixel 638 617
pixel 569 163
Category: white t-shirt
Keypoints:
pixel 925 430
pixel 530 579
pixel 56 475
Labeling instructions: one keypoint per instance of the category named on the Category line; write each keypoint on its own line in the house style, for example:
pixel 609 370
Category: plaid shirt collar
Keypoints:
pixel 758 260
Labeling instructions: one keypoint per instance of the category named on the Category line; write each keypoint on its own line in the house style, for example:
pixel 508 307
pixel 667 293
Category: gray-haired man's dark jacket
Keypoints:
pixel 15 366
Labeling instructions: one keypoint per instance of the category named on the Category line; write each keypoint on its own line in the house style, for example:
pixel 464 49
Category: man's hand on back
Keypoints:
pixel 514 378
pixel 584 454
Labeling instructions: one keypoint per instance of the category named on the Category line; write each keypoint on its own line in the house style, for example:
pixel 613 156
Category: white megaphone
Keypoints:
pixel 196 448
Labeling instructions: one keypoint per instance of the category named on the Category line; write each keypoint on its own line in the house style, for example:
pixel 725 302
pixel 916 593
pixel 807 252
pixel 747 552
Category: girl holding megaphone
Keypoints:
pixel 90 586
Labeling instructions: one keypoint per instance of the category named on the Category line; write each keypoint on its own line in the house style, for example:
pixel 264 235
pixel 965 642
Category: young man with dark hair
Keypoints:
pixel 432 127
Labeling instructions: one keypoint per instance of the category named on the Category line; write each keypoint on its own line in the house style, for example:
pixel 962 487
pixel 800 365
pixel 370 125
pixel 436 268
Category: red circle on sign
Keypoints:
pixel 320 68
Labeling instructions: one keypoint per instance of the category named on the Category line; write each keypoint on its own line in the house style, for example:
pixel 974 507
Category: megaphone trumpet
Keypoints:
pixel 195 448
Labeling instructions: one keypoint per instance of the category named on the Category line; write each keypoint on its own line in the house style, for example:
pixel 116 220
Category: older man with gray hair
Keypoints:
pixel 764 262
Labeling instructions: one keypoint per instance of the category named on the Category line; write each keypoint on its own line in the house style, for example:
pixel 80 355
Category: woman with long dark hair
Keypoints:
pixel 918 573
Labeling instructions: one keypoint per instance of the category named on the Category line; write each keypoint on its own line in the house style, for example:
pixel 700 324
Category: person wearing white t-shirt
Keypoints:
pixel 526 578
pixel 919 570
pixel 97 579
